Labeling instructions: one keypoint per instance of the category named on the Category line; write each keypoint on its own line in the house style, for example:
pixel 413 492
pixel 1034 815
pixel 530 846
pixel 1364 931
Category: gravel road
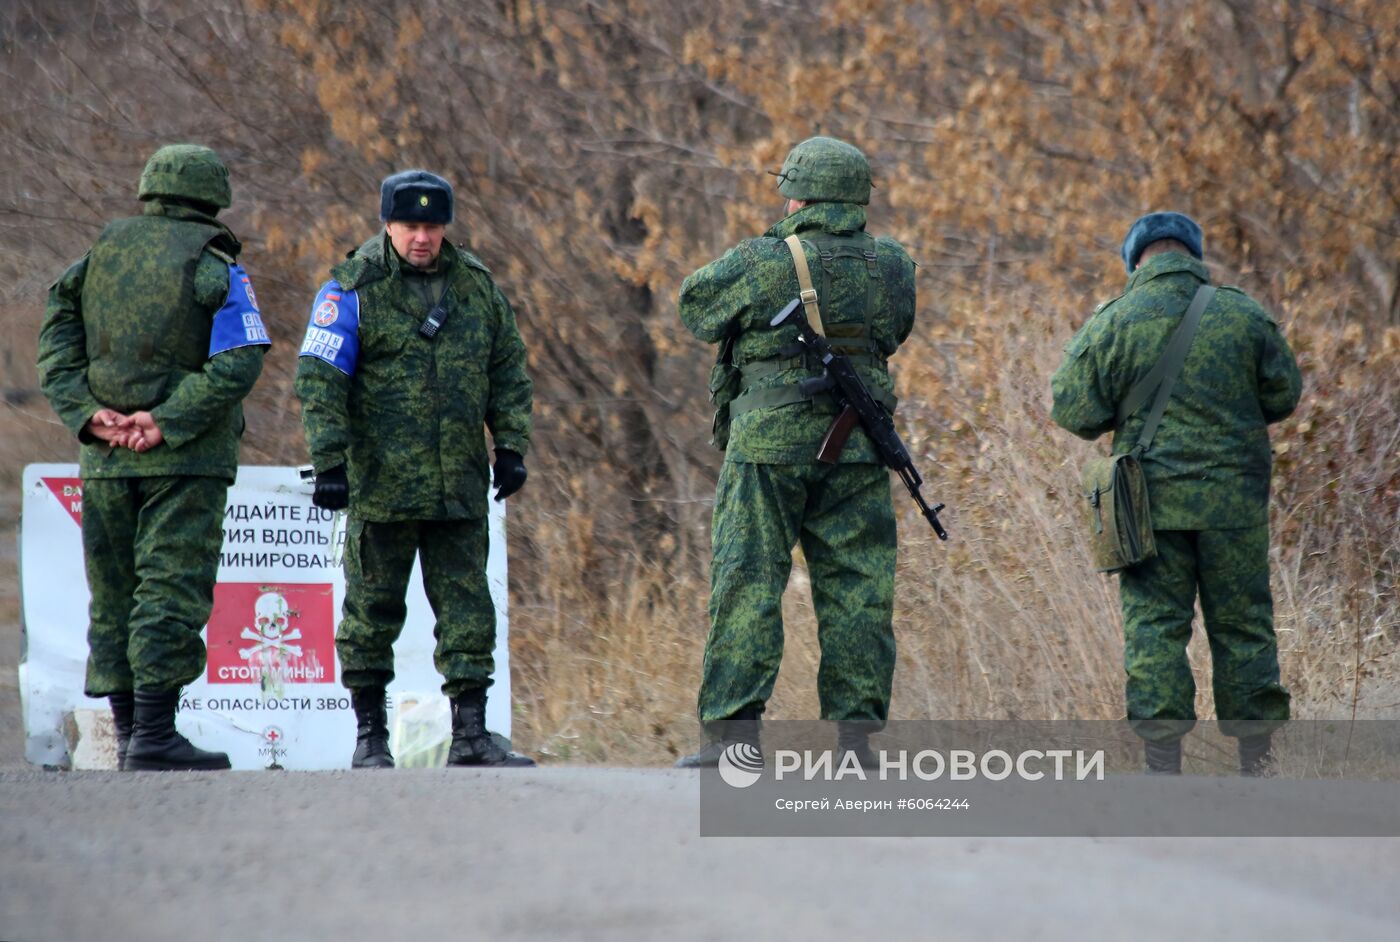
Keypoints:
pixel 592 853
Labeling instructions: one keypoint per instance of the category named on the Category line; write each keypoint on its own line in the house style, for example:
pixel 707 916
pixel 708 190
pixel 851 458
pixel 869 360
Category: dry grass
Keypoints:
pixel 1006 620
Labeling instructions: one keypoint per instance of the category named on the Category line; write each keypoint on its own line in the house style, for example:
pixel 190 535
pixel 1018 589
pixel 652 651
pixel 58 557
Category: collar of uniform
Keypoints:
pixel 821 217
pixel 1167 263
pixel 171 209
pixel 174 210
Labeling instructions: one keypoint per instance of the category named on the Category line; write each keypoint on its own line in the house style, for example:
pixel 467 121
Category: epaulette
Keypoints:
pixel 898 247
pixel 471 260
pixel 1240 297
pixel 748 251
pixel 359 268
pixel 1250 304
pixel 1103 304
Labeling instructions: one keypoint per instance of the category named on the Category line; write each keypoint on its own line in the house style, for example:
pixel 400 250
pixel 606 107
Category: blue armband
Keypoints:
pixel 334 332
pixel 237 323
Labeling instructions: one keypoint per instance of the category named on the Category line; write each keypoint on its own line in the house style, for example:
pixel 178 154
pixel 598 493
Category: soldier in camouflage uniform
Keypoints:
pixel 772 492
pixel 411 353
pixel 1207 476
pixel 150 343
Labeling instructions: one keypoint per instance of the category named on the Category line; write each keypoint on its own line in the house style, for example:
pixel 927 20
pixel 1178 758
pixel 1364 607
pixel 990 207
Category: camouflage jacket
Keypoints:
pixel 737 295
pixel 190 360
pixel 1209 464
pixel 406 414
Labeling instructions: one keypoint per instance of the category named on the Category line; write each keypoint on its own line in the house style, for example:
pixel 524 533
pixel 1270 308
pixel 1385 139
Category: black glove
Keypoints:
pixel 508 475
pixel 332 489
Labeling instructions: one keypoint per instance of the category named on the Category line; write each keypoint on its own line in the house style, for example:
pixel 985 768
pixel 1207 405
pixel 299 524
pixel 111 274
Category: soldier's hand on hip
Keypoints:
pixel 509 473
pixel 332 489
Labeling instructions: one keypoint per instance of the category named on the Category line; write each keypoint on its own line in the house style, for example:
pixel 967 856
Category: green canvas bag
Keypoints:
pixel 1115 488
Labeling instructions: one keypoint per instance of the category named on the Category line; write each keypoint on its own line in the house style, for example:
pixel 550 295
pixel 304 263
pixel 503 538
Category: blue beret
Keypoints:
pixel 1156 226
pixel 415 196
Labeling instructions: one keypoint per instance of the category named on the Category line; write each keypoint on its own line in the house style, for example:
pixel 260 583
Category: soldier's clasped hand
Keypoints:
pixel 138 432
pixel 108 425
pixel 143 433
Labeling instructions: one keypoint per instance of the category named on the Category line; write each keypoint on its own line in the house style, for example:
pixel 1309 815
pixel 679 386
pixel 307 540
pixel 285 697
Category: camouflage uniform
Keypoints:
pixel 1208 481
pixel 406 416
pixel 772 493
pixel 151 520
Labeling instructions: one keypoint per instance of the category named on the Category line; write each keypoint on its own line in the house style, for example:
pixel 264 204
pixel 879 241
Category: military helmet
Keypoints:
pixel 186 171
pixel 825 170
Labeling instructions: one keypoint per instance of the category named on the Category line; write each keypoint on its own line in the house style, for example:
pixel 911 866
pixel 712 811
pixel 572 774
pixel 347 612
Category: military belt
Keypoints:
pixel 761 369
pixel 790 393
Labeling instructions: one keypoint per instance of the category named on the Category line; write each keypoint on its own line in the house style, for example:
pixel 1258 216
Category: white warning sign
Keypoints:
pixel 270 693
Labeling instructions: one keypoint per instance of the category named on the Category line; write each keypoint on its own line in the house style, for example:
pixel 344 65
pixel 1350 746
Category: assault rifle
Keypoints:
pixel 840 380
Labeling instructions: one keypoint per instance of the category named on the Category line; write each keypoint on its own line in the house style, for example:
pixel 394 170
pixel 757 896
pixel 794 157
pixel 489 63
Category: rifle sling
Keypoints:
pixel 808 294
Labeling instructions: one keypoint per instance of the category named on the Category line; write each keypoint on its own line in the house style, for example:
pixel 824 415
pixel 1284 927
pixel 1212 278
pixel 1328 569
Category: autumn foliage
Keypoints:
pixel 601 151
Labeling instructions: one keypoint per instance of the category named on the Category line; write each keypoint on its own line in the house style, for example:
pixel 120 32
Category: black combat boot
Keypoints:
pixel 854 737
pixel 1256 755
pixel 122 707
pixel 742 727
pixel 1163 758
pixel 471 743
pixel 155 745
pixel 371 729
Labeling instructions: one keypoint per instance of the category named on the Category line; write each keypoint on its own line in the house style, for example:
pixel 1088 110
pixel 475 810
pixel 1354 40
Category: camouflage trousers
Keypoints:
pixel 843 519
pixel 152 551
pixel 378 562
pixel 1230 570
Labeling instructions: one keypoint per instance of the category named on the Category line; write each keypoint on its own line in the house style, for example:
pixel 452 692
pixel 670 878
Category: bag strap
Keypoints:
pixel 808 294
pixel 1163 375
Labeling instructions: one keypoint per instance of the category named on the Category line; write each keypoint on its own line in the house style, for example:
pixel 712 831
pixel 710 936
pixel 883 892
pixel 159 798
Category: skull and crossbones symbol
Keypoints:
pixel 271 615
